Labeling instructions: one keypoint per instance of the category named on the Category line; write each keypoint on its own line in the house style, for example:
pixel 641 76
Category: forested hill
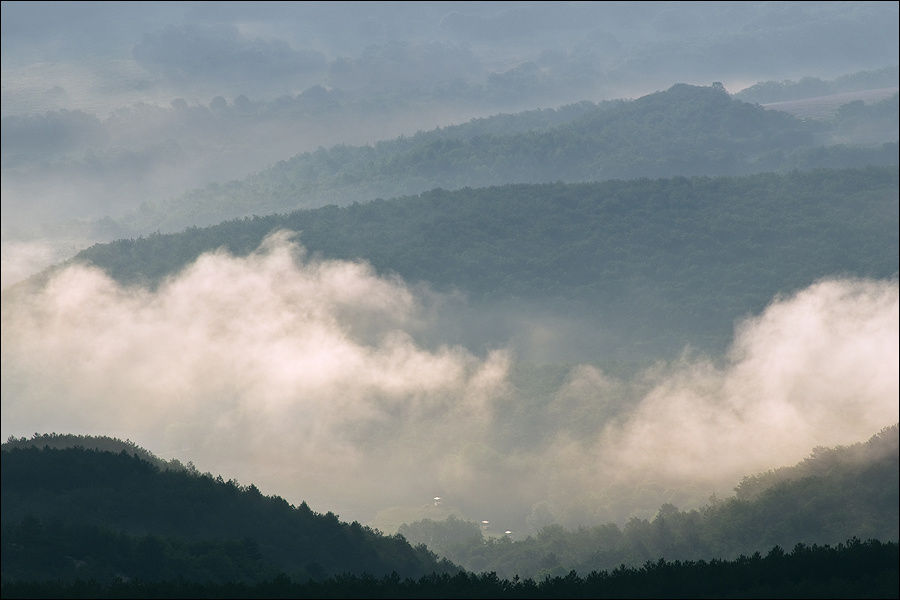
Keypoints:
pixel 72 513
pixel 835 494
pixel 808 87
pixel 100 443
pixel 835 464
pixel 685 130
pixel 78 513
pixel 658 263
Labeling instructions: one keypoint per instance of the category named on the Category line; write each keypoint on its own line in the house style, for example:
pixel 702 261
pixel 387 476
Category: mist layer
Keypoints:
pixel 305 377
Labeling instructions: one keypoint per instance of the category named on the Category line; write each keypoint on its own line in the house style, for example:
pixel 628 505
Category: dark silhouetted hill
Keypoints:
pixel 72 513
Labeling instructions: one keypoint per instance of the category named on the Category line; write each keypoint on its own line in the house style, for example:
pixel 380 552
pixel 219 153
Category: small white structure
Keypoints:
pixel 437 500
pixel 485 525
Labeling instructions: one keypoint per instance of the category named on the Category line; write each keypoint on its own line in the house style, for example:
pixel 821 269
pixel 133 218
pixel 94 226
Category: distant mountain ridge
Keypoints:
pixel 686 130
pixel 765 92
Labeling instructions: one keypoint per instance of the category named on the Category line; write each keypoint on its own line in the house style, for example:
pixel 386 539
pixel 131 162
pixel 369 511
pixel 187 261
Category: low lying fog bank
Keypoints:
pixel 306 377
pixel 22 259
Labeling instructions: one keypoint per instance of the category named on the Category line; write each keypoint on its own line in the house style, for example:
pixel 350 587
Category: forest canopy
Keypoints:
pixel 683 131
pixel 671 261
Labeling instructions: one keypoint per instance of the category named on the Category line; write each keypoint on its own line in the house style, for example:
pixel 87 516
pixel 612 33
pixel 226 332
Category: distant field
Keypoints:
pixel 825 107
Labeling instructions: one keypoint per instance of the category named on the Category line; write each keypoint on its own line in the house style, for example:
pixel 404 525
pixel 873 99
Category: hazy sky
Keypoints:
pixel 97 56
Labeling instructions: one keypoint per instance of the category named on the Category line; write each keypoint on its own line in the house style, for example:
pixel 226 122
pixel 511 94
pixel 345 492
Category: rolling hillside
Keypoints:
pixel 77 513
pixel 71 513
pixel 648 265
pixel 683 131
pixel 835 494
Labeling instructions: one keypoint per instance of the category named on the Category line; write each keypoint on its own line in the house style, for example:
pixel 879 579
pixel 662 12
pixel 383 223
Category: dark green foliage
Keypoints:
pixel 669 261
pixel 835 494
pixel 36 550
pixel 71 511
pixel 98 524
pixel 683 131
pixel 854 569
pixel 94 442
pixel 825 463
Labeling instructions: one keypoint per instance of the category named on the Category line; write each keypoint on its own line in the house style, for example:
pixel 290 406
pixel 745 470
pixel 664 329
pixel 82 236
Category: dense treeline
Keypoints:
pixel 863 122
pixel 854 569
pixel 826 463
pixel 102 443
pixel 76 514
pixel 808 87
pixel 35 550
pixel 668 261
pixel 835 494
pixel 683 131
pixel 65 511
